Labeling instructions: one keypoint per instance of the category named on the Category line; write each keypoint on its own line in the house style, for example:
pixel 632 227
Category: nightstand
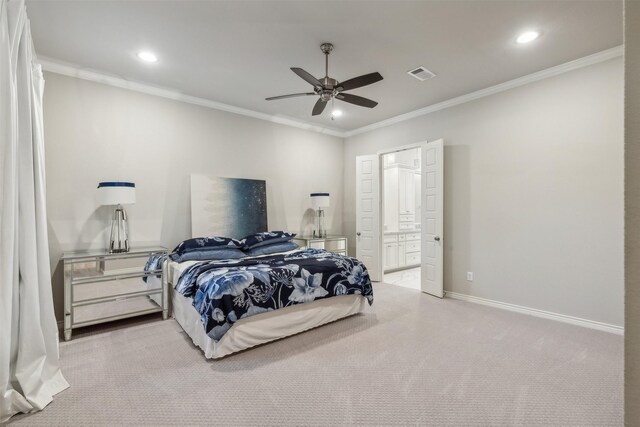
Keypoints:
pixel 335 244
pixel 100 286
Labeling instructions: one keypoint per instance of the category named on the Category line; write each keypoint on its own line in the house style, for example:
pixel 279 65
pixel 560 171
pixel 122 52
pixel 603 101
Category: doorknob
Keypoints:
pixel 437 238
pixel 358 233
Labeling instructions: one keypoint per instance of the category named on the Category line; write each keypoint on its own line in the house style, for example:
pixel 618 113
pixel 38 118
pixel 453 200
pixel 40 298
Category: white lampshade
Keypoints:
pixel 320 200
pixel 116 193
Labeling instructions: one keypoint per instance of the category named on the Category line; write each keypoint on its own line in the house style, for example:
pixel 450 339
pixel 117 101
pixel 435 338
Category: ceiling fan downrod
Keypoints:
pixel 326 48
pixel 328 84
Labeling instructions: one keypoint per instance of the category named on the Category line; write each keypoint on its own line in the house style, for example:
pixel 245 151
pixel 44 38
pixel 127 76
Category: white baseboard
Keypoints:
pixel 619 330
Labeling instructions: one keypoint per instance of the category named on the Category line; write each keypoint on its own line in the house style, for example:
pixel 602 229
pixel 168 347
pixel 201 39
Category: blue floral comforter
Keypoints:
pixel 154 262
pixel 228 290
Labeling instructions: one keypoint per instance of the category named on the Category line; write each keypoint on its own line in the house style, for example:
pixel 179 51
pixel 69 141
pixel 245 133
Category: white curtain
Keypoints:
pixel 29 371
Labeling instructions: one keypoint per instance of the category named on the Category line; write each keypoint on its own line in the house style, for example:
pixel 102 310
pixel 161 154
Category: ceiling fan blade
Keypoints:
pixel 290 96
pixel 357 100
pixel 360 81
pixel 319 107
pixel 307 77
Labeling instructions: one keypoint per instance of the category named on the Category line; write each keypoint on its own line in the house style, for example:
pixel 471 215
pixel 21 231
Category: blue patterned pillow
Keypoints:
pixel 211 243
pixel 265 238
pixel 208 255
pixel 272 248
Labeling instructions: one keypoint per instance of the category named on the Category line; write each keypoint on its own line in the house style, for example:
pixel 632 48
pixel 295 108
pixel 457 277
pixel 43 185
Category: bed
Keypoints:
pixel 345 289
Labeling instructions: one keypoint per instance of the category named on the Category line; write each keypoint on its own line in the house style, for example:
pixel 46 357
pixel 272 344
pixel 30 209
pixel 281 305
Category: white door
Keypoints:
pixel 368 214
pixel 402 193
pixel 409 188
pixel 402 252
pixel 432 217
pixel 391 204
pixel 390 256
pixel 406 189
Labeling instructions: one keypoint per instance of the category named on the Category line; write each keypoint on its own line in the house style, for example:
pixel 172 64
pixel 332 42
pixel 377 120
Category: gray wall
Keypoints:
pixel 632 217
pixel 533 191
pixel 95 132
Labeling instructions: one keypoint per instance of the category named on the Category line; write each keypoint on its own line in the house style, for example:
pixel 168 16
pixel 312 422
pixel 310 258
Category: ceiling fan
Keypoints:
pixel 329 89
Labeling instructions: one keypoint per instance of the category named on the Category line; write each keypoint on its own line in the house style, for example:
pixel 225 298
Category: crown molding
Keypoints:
pixel 54 66
pixel 595 58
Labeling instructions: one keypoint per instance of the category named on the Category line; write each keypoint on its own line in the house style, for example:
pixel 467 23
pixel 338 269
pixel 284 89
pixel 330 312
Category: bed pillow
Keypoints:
pixel 211 243
pixel 208 255
pixel 272 248
pixel 265 238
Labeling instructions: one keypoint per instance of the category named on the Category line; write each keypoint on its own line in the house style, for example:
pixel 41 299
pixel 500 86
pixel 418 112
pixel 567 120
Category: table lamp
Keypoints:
pixel 118 193
pixel 320 201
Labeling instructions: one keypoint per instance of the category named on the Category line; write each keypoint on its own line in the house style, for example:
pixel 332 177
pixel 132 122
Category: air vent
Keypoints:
pixel 421 74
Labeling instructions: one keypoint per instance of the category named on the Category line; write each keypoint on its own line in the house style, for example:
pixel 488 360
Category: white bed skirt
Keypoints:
pixel 264 327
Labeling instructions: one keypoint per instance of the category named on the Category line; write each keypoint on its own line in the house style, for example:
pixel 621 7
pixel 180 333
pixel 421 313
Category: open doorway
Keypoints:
pixel 425 224
pixel 401 217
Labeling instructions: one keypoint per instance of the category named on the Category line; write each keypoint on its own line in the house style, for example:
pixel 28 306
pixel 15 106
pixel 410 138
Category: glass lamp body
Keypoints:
pixel 321 230
pixel 320 201
pixel 119 239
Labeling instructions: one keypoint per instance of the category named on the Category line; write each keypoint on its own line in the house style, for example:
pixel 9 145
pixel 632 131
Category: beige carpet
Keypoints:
pixel 417 360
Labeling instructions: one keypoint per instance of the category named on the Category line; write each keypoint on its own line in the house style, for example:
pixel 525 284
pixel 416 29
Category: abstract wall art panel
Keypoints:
pixel 228 207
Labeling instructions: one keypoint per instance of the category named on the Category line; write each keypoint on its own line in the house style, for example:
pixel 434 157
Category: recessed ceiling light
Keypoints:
pixel 336 113
pixel 527 36
pixel 147 56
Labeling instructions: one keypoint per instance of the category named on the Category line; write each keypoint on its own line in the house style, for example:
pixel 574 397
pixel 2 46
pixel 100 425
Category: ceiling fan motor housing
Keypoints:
pixel 328 90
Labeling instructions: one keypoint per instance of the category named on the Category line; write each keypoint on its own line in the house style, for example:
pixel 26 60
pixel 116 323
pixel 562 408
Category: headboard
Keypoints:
pixel 228 207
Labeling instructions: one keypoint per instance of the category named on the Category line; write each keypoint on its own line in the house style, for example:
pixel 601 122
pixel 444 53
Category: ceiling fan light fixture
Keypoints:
pixel 336 113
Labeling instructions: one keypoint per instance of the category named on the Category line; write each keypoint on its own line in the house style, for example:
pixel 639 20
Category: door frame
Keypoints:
pixel 381 154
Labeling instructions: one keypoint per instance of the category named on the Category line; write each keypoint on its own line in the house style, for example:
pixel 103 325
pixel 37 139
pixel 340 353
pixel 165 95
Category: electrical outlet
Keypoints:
pixel 470 276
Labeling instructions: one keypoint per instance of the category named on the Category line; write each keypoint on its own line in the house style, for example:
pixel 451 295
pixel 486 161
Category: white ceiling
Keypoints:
pixel 240 52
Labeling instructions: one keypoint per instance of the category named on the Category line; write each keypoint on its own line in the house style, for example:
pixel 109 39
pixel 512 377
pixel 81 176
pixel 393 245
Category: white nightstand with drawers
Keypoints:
pixel 335 244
